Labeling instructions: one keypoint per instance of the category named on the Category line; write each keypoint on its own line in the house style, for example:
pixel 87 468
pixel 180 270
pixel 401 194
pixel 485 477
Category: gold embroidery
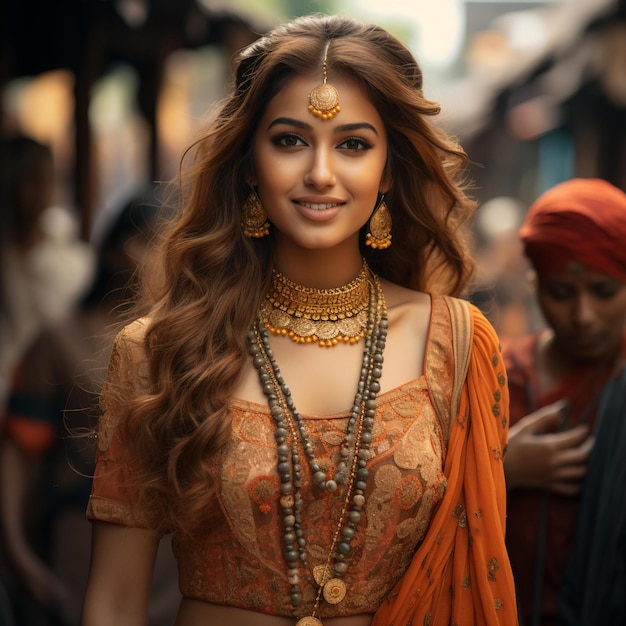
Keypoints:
pixel 492 567
pixel 463 520
pixel 409 492
pixel 264 491
pixel 407 467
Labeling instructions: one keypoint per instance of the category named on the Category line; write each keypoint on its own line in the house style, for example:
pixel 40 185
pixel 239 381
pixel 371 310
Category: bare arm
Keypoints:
pixel 120 575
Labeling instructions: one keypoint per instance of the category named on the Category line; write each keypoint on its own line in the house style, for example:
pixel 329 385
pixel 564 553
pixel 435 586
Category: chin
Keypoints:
pixel 589 354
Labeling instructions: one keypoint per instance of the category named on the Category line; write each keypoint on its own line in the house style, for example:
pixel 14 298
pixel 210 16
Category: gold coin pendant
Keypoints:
pixel 309 621
pixel 322 575
pixel 334 591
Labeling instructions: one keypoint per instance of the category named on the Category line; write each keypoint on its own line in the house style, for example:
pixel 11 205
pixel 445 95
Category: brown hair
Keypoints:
pixel 213 277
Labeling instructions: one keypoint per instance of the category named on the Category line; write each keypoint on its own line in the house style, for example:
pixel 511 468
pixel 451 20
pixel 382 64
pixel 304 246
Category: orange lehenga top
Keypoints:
pixel 429 548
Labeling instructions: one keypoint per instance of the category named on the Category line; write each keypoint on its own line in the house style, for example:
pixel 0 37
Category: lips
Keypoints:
pixel 320 211
pixel 318 206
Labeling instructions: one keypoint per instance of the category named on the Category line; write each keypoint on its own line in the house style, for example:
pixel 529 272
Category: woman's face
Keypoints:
pixel 319 179
pixel 586 310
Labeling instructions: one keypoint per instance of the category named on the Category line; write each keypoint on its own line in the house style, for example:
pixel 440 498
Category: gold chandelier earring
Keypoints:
pixel 253 217
pixel 379 229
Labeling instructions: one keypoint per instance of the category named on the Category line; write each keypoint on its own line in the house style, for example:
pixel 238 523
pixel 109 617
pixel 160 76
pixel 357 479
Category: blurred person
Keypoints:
pixel 46 462
pixel 574 237
pixel 44 267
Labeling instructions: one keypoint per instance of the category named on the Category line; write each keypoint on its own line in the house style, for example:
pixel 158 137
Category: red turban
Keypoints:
pixel 582 220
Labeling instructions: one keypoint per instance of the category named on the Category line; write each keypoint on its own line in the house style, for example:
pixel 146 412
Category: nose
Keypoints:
pixel 585 309
pixel 320 173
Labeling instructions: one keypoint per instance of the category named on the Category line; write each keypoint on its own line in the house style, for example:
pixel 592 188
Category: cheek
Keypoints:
pixel 273 173
pixel 616 316
pixel 553 311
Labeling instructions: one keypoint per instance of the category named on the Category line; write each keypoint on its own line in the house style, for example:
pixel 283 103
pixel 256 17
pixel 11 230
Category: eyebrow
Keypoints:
pixel 304 126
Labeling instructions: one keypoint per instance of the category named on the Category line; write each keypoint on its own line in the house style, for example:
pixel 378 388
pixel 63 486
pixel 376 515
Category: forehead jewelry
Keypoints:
pixel 324 99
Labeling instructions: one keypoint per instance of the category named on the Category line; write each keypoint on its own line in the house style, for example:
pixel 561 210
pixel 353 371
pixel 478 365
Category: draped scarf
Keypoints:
pixel 461 574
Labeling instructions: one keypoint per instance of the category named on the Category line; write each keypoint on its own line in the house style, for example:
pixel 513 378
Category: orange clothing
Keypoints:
pixel 406 491
pixel 460 574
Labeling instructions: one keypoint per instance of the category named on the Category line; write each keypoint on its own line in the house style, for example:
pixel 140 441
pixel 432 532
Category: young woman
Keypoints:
pixel 573 236
pixel 288 409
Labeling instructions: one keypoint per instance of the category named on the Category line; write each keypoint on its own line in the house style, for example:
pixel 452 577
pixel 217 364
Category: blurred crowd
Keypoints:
pixel 60 298
pixel 61 294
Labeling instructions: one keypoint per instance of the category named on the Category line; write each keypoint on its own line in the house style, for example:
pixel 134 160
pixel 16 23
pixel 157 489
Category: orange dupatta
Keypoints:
pixel 460 574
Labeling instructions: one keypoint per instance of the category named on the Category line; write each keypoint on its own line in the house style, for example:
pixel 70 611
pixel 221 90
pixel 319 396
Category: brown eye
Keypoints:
pixel 355 143
pixel 558 291
pixel 605 290
pixel 287 140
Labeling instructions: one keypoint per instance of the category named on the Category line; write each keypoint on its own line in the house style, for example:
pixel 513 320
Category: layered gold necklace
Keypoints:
pixel 323 316
pixel 296 448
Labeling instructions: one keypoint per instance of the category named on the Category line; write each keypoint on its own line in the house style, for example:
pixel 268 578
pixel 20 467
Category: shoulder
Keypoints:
pixel 128 350
pixel 397 297
pixel 409 312
pixel 133 335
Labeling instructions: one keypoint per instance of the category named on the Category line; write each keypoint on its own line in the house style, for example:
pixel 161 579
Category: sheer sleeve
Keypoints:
pixel 461 574
pixel 112 498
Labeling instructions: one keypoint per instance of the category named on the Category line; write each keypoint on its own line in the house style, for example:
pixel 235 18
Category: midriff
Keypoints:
pixel 197 613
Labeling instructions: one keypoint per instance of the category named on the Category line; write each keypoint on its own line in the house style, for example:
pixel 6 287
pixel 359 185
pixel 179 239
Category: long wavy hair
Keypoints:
pixel 213 278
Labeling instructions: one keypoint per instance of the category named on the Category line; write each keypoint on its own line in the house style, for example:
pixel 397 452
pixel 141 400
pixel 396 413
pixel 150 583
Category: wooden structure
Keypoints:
pixel 89 36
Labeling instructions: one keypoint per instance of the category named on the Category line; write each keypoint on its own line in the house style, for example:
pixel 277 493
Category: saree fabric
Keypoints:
pixel 460 575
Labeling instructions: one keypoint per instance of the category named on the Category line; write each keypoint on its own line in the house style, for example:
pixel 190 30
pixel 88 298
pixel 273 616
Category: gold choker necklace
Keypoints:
pixel 323 316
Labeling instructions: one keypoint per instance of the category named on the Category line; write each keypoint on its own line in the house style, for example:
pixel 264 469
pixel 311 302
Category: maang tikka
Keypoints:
pixel 324 99
pixel 379 228
pixel 253 217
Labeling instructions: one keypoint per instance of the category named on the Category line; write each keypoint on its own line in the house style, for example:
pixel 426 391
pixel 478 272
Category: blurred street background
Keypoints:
pixel 535 91
pixel 98 101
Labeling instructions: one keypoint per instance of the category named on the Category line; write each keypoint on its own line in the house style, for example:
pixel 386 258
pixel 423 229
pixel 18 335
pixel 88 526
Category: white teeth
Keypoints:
pixel 318 207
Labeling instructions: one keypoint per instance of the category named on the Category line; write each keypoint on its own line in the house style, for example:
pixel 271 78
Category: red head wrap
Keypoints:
pixel 582 220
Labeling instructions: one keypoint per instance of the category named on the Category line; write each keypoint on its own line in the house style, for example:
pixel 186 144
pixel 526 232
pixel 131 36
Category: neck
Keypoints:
pixel 320 269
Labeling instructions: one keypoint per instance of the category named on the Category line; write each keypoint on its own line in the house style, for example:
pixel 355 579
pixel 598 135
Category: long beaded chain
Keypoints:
pixel 351 469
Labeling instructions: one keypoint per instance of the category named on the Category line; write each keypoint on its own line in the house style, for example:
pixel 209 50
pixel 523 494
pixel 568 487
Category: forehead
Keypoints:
pixel 292 101
pixel 577 274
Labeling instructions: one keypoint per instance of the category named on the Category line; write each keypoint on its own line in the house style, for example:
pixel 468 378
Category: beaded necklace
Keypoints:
pixel 291 436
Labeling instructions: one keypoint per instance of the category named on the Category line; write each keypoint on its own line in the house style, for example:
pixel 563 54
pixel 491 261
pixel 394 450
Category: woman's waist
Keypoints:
pixel 199 613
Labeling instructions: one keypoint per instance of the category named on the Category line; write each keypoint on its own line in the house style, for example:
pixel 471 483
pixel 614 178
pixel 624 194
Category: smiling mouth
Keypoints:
pixel 319 207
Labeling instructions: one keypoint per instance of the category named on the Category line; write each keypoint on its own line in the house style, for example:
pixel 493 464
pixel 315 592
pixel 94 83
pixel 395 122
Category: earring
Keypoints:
pixel 379 235
pixel 254 218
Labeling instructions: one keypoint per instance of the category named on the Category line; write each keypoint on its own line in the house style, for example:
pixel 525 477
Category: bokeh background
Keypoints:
pixel 535 91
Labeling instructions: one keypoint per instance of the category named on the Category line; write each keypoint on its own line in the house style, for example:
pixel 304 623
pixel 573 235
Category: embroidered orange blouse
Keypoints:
pixel 239 561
